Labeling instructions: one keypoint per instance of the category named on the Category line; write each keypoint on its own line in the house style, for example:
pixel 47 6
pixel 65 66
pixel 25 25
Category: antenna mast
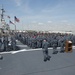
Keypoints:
pixel 2 14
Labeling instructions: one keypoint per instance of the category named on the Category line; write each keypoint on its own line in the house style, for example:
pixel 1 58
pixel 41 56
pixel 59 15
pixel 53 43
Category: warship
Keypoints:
pixel 29 61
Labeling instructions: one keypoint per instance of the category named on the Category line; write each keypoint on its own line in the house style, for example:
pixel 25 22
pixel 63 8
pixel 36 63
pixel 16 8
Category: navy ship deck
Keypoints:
pixel 30 62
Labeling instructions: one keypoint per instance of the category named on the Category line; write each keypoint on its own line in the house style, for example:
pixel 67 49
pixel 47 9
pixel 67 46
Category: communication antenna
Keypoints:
pixel 2 13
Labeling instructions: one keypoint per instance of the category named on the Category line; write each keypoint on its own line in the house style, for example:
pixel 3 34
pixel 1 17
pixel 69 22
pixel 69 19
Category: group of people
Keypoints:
pixel 34 40
pixel 7 41
pixel 37 40
pixel 46 40
pixel 45 46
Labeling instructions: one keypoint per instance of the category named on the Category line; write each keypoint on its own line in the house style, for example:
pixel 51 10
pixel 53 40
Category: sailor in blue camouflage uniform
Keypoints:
pixel 45 50
pixel 5 42
pixel 38 41
pixel 55 42
pixel 62 44
pixel 34 42
pixel 13 42
pixel 1 57
pixel 0 42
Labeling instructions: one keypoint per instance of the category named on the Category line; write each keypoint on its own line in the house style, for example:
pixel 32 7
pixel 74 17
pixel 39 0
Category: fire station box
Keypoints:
pixel 68 46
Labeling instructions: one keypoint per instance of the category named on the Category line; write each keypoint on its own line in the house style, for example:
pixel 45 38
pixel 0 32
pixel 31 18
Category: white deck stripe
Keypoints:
pixel 23 50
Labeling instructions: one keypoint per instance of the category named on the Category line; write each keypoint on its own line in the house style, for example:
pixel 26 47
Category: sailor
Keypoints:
pixel 59 39
pixel 30 41
pixel 38 42
pixel 62 45
pixel 73 39
pixel 49 40
pixel 45 50
pixel 0 42
pixel 55 42
pixel 13 42
pixel 5 42
pixel 34 42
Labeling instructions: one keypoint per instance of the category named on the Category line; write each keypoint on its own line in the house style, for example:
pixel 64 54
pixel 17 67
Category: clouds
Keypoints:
pixel 18 2
pixel 46 9
pixel 49 21
pixel 44 13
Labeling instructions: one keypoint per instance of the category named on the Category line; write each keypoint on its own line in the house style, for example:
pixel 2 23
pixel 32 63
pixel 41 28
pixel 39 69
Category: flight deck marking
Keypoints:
pixel 23 50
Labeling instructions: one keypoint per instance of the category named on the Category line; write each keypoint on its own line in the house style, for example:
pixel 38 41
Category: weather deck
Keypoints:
pixel 30 62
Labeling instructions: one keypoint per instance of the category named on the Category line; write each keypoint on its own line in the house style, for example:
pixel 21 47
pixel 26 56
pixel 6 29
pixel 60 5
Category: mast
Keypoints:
pixel 4 25
pixel 2 14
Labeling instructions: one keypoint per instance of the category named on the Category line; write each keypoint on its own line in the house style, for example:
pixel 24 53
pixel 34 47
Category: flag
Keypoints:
pixel 8 17
pixel 11 22
pixel 16 19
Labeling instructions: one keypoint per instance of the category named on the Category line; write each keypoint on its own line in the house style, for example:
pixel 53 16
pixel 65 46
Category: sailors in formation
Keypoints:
pixel 46 40
pixel 37 40
pixel 34 40
pixel 5 41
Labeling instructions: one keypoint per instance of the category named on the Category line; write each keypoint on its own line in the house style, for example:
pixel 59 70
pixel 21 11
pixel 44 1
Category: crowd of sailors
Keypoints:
pixel 35 40
pixel 7 41
pixel 46 40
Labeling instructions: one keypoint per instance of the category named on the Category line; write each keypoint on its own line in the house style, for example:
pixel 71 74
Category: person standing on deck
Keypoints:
pixel 45 50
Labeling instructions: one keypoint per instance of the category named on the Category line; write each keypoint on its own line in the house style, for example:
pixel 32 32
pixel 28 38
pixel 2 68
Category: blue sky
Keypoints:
pixel 56 15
